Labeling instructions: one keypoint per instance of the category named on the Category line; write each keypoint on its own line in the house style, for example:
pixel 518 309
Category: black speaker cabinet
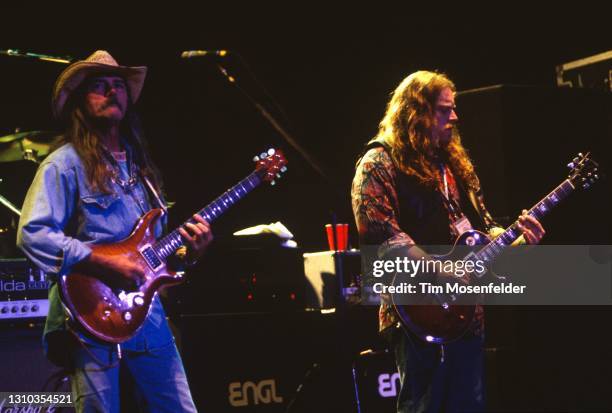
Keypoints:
pixel 24 366
pixel 377 382
pixel 256 362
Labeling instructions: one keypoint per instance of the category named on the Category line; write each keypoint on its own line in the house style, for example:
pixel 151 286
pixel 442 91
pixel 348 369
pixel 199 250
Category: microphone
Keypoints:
pixel 189 54
pixel 18 53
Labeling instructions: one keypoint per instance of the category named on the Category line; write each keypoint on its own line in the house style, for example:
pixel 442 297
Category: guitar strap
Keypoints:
pixel 155 194
pixel 458 221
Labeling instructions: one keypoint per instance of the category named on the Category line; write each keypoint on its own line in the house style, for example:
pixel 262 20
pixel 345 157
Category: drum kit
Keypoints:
pixel 20 154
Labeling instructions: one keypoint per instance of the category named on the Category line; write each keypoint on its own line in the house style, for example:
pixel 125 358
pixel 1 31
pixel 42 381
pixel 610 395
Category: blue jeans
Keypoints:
pixel 432 383
pixel 157 373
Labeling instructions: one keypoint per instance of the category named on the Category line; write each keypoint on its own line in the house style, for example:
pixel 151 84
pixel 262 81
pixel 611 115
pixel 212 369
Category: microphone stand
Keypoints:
pixel 340 304
pixel 9 205
pixel 274 123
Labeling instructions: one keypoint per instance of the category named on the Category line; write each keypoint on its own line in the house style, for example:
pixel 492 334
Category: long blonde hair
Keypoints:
pixel 406 129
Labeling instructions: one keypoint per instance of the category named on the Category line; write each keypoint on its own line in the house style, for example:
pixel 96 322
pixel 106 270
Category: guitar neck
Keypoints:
pixel 168 245
pixel 538 211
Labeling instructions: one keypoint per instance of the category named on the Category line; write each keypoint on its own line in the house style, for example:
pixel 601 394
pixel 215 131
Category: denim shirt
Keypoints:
pixel 62 217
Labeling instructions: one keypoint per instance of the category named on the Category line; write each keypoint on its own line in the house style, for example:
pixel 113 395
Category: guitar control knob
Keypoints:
pixel 138 300
pixel 127 316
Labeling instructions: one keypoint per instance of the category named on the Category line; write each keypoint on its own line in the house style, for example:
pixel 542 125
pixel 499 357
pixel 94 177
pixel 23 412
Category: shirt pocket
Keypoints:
pixel 99 213
pixel 101 201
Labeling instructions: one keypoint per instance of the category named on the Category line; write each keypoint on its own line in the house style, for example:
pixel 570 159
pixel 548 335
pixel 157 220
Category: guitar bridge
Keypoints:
pixel 151 257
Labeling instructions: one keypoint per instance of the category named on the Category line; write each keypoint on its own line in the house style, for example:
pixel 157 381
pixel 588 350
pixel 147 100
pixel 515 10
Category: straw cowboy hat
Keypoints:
pixel 102 63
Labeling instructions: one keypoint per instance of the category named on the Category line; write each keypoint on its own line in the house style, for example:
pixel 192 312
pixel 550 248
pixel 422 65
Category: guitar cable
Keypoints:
pixel 94 357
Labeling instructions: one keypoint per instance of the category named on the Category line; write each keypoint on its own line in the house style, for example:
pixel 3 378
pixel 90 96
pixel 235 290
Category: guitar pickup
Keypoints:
pixel 151 257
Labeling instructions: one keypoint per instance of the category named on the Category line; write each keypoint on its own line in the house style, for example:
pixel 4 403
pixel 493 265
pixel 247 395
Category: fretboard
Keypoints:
pixel 168 244
pixel 539 210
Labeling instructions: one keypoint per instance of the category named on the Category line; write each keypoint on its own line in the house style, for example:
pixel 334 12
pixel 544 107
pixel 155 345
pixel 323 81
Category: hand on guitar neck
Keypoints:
pixel 198 236
pixel 531 228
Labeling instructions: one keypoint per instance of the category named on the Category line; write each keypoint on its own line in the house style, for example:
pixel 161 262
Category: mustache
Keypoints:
pixel 112 101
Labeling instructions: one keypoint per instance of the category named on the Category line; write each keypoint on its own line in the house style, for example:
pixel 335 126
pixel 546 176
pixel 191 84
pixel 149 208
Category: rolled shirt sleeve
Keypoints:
pixel 47 211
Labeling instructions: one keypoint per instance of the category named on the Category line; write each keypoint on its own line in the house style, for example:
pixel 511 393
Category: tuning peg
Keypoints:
pixel 580 154
pixel 586 185
pixel 255 158
pixel 571 165
pixel 272 183
pixel 271 151
pixel 283 169
pixel 279 176
pixel 596 176
pixel 263 155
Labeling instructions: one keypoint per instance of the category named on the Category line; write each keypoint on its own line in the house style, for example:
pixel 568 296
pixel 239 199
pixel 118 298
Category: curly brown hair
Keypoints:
pixel 406 129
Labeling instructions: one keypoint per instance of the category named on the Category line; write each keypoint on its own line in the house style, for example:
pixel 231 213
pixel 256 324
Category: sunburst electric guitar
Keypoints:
pixel 113 314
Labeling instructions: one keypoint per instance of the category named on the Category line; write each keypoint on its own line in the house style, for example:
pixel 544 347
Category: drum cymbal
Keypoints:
pixel 31 145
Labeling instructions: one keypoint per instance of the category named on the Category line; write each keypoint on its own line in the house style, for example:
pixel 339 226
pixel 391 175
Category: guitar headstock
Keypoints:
pixel 270 165
pixel 583 171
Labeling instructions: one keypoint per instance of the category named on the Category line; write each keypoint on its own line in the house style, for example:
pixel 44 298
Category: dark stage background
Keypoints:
pixel 331 72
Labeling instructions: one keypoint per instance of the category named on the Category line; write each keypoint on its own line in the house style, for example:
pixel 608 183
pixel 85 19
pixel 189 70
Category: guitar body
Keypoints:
pixel 427 318
pixel 110 314
pixel 114 314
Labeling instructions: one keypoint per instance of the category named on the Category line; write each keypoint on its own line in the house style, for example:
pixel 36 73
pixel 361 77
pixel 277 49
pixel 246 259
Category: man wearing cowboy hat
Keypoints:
pixel 93 189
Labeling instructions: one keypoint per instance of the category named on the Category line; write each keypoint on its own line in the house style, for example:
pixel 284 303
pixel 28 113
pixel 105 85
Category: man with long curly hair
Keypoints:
pixel 415 185
pixel 94 189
